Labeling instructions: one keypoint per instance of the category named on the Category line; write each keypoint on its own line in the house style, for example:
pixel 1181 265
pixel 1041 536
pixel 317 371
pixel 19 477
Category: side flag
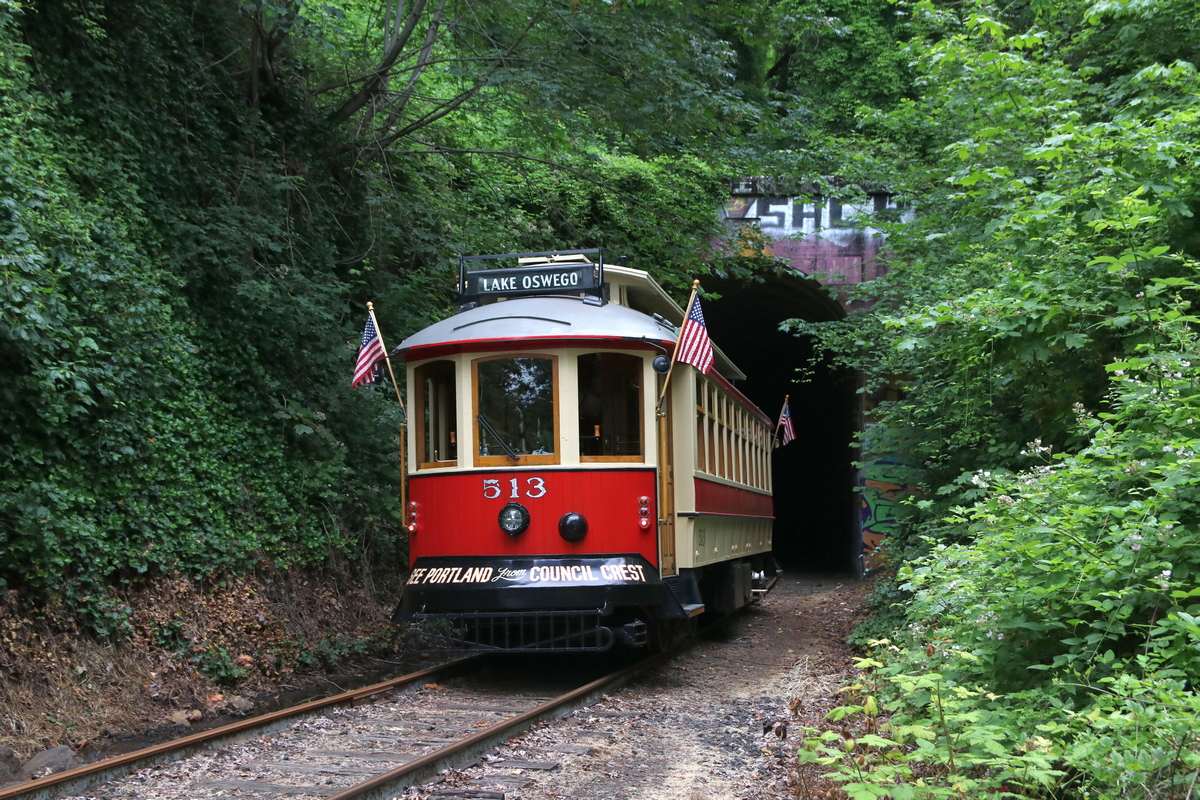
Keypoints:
pixel 785 424
pixel 694 346
pixel 370 353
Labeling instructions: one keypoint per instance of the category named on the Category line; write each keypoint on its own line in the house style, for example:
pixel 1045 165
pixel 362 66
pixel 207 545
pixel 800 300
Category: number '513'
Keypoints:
pixel 534 488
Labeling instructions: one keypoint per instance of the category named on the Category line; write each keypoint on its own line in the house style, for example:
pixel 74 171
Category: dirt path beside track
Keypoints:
pixel 694 729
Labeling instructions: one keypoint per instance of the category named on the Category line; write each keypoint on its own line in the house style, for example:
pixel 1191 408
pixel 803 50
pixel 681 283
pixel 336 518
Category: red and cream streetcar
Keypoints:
pixel 555 502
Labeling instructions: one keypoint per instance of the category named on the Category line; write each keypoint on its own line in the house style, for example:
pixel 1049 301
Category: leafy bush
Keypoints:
pixel 1040 316
pixel 1057 646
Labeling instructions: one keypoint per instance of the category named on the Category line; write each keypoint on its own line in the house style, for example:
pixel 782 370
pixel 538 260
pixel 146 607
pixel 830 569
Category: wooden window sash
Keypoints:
pixel 419 378
pixel 526 460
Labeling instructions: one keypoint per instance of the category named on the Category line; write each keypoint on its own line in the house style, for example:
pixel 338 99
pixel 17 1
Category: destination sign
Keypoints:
pixel 554 279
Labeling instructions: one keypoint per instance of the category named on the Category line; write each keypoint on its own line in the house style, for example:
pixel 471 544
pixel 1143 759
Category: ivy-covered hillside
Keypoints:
pixel 200 197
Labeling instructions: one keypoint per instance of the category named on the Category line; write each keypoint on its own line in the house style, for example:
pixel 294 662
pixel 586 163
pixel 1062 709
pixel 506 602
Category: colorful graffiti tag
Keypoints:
pixel 884 487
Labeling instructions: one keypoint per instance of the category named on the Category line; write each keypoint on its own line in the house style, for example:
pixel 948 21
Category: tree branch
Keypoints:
pixel 375 80
pixel 422 63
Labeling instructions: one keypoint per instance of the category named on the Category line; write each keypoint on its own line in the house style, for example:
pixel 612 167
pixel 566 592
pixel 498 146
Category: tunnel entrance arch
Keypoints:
pixel 817 517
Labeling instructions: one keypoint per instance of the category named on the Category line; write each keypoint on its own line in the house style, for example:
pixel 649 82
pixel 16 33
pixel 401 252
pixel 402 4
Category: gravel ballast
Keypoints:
pixel 718 722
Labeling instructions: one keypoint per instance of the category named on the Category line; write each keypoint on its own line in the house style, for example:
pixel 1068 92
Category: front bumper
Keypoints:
pixel 539 603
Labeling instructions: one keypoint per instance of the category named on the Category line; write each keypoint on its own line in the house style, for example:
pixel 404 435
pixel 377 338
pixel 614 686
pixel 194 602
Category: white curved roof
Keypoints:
pixel 558 317
pixel 537 318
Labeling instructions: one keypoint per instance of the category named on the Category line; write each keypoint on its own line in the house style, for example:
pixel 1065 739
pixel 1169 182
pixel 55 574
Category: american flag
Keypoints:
pixel 785 424
pixel 369 354
pixel 694 345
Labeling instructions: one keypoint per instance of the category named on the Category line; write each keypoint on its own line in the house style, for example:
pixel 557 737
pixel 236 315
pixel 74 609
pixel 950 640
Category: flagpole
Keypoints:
pixel 403 416
pixel 396 386
pixel 675 355
pixel 779 424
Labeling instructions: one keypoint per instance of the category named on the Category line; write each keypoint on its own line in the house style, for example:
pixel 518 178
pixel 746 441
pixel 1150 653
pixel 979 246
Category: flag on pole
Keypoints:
pixel 694 347
pixel 370 353
pixel 785 424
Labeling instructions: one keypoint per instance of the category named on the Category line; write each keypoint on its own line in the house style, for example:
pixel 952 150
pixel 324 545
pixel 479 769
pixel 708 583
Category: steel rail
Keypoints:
pixel 79 779
pixel 385 785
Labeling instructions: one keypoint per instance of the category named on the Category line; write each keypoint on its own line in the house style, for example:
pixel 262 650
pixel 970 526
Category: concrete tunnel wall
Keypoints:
pixel 816 508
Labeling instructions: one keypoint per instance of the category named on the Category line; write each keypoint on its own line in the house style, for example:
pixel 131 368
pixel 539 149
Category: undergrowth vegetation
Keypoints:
pixel 1055 647
pixel 1039 314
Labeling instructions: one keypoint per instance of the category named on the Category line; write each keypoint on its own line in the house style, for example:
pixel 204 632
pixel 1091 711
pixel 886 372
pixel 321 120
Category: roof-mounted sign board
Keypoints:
pixel 560 272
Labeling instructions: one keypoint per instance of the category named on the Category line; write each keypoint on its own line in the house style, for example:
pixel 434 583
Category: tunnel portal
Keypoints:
pixel 816 507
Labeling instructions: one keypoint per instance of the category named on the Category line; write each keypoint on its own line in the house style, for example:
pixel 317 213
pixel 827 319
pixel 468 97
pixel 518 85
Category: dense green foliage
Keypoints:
pixel 149 267
pixel 1039 315
pixel 199 197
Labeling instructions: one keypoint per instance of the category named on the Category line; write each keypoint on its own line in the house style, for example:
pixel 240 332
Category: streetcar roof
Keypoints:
pixel 552 317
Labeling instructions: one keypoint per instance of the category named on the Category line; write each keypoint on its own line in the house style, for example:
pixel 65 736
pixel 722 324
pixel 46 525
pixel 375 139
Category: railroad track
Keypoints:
pixel 368 744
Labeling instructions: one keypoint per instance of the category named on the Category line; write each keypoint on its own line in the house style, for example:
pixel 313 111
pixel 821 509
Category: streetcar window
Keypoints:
pixel 730 442
pixel 610 407
pixel 437 439
pixel 514 407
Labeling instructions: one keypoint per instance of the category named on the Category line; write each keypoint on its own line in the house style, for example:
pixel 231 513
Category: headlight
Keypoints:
pixel 514 519
pixel 572 526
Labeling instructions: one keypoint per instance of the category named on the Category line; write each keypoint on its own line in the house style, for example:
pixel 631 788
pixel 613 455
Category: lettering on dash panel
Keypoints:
pixel 611 572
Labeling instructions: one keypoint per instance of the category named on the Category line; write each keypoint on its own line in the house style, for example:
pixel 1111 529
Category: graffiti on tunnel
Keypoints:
pixel 885 485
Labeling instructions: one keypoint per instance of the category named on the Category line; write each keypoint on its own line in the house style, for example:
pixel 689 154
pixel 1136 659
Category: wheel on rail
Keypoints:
pixel 666 633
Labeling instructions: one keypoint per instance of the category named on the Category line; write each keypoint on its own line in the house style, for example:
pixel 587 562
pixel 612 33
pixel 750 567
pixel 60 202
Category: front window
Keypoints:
pixel 610 407
pixel 516 421
pixel 437 439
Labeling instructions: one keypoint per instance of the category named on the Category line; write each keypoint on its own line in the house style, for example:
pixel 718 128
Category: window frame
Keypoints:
pixel 419 413
pixel 732 444
pixel 525 459
pixel 641 406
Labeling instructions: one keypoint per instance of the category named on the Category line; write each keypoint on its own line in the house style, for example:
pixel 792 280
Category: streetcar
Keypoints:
pixel 570 488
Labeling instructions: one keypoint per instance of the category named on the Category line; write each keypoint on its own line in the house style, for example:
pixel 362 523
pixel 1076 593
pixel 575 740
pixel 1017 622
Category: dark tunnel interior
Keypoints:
pixel 816 507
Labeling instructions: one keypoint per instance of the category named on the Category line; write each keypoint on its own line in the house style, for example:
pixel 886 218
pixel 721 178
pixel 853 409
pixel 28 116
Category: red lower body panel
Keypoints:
pixel 456 513
pixel 718 498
